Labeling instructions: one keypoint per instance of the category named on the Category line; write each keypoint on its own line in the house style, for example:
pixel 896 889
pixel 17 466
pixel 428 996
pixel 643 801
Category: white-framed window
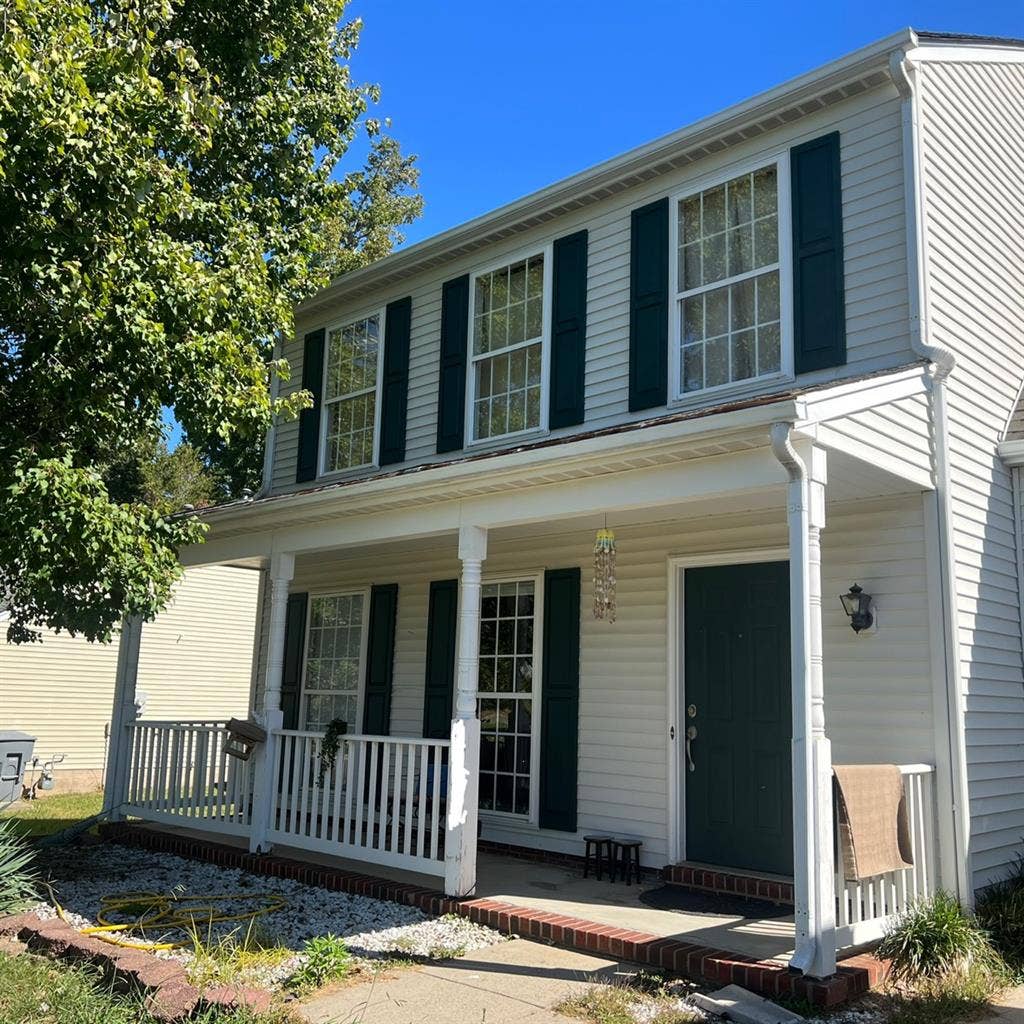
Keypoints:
pixel 508 696
pixel 508 340
pixel 351 399
pixel 731 257
pixel 332 678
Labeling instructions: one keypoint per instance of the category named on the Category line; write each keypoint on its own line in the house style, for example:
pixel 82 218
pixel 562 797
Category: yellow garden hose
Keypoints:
pixel 187 912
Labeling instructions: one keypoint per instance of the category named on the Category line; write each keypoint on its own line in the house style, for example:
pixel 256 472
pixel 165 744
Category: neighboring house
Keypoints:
pixel 776 352
pixel 196 663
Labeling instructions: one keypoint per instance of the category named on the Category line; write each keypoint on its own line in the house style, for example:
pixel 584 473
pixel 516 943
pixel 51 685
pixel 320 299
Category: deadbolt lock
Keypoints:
pixel 691 711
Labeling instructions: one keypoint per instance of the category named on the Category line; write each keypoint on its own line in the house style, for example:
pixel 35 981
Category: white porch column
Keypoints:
pixel 813 857
pixel 464 755
pixel 123 713
pixel 268 713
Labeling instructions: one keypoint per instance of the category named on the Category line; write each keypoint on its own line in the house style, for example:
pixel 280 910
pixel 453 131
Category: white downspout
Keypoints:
pixel 813 856
pixel 942 363
pixel 271 438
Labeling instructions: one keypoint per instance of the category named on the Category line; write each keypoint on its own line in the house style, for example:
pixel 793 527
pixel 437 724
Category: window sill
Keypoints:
pixel 505 440
pixel 711 396
pixel 348 474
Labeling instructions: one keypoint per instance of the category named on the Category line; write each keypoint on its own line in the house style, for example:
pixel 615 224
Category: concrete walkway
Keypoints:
pixel 516 981
pixel 1009 1008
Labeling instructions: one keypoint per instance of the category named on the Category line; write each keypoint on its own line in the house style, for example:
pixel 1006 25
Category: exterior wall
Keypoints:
pixel 875 273
pixel 972 142
pixel 878 686
pixel 195 662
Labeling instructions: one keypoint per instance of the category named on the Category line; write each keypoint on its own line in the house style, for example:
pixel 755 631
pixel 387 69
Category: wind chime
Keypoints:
pixel 604 573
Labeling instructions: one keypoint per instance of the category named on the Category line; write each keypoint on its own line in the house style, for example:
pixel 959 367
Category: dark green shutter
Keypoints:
pixel 439 677
pixel 294 652
pixel 309 419
pixel 568 330
pixel 819 306
pixel 451 391
pixel 648 306
pixel 560 700
pixel 380 660
pixel 395 383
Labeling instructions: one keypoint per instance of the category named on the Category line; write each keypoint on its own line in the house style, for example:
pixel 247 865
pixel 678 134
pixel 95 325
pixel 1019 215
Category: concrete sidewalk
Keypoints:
pixel 516 981
pixel 1010 1008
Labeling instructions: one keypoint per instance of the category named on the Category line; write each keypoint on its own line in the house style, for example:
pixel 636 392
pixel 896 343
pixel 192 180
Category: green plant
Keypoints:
pixel 17 879
pixel 329 745
pixel 324 958
pixel 938 949
pixel 1000 911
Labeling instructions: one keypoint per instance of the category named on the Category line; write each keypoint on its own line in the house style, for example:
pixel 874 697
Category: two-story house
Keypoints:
pixel 776 354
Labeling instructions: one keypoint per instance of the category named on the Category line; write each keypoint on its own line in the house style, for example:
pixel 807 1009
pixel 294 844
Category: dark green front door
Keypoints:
pixel 739 810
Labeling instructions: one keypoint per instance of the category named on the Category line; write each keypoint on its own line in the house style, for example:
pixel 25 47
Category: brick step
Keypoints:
pixel 701 878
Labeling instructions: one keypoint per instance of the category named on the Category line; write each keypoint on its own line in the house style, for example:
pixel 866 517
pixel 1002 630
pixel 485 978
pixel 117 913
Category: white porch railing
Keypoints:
pixel 866 908
pixel 381 801
pixel 179 772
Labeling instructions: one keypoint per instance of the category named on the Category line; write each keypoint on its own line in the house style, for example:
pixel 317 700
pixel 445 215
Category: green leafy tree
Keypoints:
pixel 170 187
pixel 163 479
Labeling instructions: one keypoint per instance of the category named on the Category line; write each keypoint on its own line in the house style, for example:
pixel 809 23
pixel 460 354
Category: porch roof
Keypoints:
pixel 629 466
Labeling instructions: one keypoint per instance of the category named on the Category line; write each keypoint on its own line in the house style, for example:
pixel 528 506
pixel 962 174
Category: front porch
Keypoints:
pixel 583 731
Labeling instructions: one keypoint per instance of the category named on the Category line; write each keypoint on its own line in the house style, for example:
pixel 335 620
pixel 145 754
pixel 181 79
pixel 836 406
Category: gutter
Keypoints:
pixel 942 363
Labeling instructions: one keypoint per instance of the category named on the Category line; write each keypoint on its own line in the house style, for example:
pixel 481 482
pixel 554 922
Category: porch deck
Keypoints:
pixel 562 890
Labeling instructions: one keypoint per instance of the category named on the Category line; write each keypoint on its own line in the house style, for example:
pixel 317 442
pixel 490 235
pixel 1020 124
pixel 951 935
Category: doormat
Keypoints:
pixel 675 897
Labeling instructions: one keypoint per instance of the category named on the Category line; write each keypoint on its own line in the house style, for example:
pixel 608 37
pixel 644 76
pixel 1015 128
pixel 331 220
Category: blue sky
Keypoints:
pixel 497 100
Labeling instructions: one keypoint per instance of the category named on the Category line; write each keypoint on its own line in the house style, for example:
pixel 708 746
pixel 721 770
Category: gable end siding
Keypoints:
pixel 972 138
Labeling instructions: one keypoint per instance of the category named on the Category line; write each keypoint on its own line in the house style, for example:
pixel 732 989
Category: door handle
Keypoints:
pixel 691 735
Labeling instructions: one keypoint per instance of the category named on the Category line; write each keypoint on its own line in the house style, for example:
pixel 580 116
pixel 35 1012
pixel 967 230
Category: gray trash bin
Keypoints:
pixel 15 756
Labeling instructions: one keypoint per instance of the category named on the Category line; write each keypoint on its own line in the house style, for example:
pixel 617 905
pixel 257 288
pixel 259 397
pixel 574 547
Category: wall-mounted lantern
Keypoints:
pixel 857 605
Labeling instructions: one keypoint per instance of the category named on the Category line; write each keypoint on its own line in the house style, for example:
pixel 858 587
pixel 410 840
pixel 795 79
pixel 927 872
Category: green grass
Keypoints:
pixel 53 813
pixel 35 990
pixel 1000 911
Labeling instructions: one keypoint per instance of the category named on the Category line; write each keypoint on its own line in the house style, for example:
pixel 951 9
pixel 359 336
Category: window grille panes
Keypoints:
pixel 505 696
pixel 331 683
pixel 508 325
pixel 728 273
pixel 351 393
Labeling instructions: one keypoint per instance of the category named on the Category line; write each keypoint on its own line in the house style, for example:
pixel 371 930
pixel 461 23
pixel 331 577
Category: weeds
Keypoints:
pixel 33 989
pixel 17 879
pixel 237 959
pixel 325 958
pixel 644 997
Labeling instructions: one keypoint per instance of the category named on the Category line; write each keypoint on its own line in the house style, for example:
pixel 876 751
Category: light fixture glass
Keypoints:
pixel 857 604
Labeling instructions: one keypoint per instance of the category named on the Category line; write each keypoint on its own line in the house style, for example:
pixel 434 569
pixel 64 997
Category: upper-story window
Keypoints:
pixel 728 287
pixel 508 336
pixel 350 394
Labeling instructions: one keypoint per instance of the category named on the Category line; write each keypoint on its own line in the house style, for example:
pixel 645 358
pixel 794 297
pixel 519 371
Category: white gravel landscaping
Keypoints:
pixel 371 928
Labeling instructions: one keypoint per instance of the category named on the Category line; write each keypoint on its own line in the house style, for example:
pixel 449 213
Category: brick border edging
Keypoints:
pixel 169 996
pixel 728 883
pixel 854 977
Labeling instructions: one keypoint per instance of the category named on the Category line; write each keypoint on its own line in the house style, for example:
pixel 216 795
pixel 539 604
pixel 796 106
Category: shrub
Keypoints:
pixel 1000 911
pixel 324 959
pixel 17 879
pixel 938 950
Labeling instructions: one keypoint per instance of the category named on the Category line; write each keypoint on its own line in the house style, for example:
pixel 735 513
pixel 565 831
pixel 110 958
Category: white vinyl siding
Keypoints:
pixel 195 662
pixel 972 131
pixel 875 271
pixel 878 688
